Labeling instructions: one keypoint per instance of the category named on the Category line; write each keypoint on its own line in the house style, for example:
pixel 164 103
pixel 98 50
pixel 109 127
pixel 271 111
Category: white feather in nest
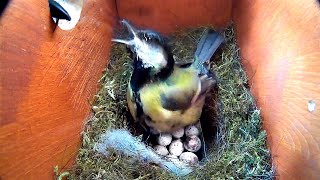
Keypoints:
pixel 123 141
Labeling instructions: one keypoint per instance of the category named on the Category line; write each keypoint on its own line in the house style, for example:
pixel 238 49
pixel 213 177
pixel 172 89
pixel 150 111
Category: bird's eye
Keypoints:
pixel 148 37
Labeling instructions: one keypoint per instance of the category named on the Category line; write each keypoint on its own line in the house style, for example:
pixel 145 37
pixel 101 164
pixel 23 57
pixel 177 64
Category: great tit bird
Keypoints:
pixel 162 95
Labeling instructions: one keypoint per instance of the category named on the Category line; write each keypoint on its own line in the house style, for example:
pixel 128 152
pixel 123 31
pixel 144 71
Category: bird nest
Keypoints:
pixel 230 120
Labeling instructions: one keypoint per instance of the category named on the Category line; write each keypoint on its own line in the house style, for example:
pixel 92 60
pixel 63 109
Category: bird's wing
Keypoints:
pixel 175 100
pixel 180 91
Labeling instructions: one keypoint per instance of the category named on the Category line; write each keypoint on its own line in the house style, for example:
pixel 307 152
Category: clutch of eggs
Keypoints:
pixel 177 150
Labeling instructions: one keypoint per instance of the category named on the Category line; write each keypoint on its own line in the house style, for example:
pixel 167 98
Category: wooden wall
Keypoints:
pixel 47 81
pixel 280 48
pixel 167 16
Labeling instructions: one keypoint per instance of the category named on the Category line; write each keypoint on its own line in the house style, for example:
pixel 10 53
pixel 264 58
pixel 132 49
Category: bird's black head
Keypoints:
pixel 149 51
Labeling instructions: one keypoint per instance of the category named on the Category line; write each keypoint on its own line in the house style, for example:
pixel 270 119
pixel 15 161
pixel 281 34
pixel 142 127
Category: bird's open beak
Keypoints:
pixel 131 29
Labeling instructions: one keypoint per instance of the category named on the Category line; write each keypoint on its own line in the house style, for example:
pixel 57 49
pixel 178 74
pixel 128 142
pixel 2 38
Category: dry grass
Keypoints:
pixel 238 147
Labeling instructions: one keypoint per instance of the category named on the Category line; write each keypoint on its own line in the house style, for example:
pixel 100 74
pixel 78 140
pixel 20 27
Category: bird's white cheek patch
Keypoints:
pixel 150 56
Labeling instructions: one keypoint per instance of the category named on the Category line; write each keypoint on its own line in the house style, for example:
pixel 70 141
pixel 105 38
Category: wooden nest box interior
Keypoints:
pixel 48 78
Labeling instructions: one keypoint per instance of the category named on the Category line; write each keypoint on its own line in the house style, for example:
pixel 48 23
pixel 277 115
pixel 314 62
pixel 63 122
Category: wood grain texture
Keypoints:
pixel 47 82
pixel 280 48
pixel 167 16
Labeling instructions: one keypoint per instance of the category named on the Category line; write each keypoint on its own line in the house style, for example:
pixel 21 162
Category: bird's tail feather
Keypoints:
pixel 208 44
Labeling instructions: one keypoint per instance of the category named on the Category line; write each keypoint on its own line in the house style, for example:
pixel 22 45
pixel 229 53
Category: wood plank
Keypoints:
pixel 167 16
pixel 280 50
pixel 47 82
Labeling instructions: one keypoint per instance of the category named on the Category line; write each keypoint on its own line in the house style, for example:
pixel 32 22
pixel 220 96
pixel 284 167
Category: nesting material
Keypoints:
pixel 236 143
pixel 124 142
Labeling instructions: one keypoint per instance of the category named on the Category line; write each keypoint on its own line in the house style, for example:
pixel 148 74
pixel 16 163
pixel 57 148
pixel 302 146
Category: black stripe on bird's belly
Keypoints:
pixel 144 120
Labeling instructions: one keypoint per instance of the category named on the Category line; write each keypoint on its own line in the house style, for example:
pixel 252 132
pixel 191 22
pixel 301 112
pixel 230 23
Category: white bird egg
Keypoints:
pixel 164 139
pixel 178 133
pixel 192 144
pixel 176 147
pixel 189 158
pixel 192 130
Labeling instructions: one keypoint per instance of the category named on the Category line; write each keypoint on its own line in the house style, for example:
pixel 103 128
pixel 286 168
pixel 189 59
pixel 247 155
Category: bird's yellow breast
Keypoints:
pixel 185 83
